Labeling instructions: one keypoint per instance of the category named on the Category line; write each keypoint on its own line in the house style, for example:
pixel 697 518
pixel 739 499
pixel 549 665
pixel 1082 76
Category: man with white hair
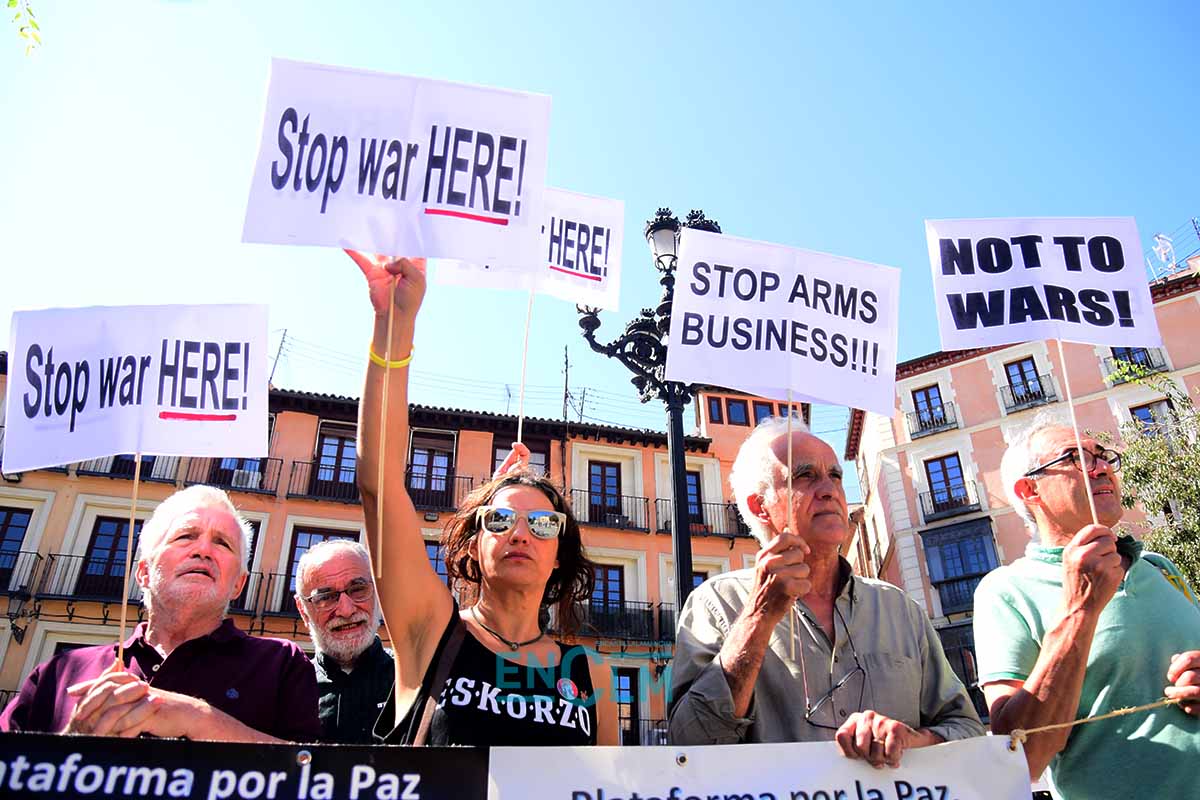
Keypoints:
pixel 187 670
pixel 1087 623
pixel 798 648
pixel 336 598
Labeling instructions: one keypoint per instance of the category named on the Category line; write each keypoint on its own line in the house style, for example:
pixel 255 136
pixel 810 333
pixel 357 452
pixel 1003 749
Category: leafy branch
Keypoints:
pixel 27 26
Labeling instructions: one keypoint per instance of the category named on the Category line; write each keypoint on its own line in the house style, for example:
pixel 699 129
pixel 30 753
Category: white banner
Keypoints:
pixel 972 769
pixel 1002 281
pixel 764 318
pixel 399 165
pixel 160 380
pixel 580 258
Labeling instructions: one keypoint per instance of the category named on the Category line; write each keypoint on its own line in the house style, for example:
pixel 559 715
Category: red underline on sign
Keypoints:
pixel 196 417
pixel 464 215
pixel 576 274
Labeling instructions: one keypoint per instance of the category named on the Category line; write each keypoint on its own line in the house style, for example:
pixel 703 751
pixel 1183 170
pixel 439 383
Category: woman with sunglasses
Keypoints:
pixel 487 673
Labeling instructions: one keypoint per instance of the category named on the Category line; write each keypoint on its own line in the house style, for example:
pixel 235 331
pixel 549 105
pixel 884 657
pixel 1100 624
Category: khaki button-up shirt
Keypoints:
pixel 877 626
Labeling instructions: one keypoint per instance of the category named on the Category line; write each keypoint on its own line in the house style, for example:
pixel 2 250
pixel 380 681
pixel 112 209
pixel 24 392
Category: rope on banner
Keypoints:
pixel 793 613
pixel 1022 734
pixel 1087 478
pixel 383 415
pixel 524 364
pixel 137 476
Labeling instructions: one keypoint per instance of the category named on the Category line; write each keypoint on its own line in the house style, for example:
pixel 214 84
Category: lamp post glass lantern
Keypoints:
pixel 642 348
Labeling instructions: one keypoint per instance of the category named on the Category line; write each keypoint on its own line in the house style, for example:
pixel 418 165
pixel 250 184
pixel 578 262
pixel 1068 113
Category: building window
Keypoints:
pixel 604 490
pixel 336 463
pixel 737 412
pixel 761 411
pixel 1132 355
pixel 103 570
pixel 302 540
pixel 1151 416
pixel 714 410
pixel 430 469
pixel 609 591
pixel 539 455
pixel 1025 387
pixel 627 690
pixel 124 466
pixel 783 409
pixel 14 522
pixel 949 494
pixel 958 556
pixel 694 498
pixel 437 557
pixel 928 404
pixel 698 578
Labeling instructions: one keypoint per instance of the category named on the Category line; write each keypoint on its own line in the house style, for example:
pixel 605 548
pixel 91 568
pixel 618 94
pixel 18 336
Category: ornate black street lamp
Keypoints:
pixel 643 349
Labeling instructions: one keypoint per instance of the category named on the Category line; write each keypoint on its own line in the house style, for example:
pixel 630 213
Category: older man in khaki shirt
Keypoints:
pixel 858 662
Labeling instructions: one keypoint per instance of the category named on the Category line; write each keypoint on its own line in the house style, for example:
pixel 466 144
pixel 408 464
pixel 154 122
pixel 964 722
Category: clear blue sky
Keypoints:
pixel 129 137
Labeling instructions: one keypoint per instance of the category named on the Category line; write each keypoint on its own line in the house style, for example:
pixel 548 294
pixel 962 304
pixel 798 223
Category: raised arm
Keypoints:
pixel 416 604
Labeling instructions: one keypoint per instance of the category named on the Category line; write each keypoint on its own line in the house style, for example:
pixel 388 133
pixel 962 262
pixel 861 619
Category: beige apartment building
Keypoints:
pixel 63 531
pixel 934 518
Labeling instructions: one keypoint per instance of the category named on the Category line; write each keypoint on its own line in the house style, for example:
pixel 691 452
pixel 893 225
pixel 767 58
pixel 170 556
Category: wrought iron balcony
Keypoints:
pixel 437 491
pixel 958 594
pixel 1139 360
pixel 252 475
pixel 155 469
pixel 949 501
pixel 611 510
pixel 82 577
pixel 631 620
pixel 932 420
pixel 1027 394
pixel 652 732
pixel 312 480
pixel 19 572
pixel 247 602
pixel 706 519
pixel 667 619
pixel 277 598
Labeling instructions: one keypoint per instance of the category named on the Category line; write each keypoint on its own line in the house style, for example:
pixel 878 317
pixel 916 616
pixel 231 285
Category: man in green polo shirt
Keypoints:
pixel 1086 623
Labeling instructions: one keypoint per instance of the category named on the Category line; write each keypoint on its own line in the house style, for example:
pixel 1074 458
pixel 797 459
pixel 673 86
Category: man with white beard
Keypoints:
pixel 187 671
pixel 336 598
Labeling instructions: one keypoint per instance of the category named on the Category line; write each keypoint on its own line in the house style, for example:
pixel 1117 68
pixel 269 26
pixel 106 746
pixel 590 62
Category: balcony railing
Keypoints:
pixel 82 577
pixel 949 501
pixel 1027 394
pixel 253 475
pixel 437 492
pixel 6 697
pixel 277 598
pixel 958 594
pixel 313 481
pixel 932 420
pixel 155 469
pixel 650 732
pixel 247 602
pixel 1146 360
pixel 705 519
pixel 666 622
pixel 630 620
pixel 18 572
pixel 611 510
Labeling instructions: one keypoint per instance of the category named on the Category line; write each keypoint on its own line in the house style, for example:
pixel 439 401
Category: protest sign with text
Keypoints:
pixel 765 318
pixel 1002 281
pixel 971 769
pixel 398 165
pixel 158 380
pixel 580 258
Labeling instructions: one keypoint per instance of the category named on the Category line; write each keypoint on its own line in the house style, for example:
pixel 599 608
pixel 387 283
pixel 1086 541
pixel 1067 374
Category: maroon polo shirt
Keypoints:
pixel 267 684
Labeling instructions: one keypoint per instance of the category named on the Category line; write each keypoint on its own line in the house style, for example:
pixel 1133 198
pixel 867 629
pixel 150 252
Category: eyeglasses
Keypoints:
pixel 811 709
pixel 1111 457
pixel 542 524
pixel 358 590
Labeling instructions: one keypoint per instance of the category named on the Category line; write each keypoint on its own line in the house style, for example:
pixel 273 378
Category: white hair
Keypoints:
pixel 756 466
pixel 155 530
pixel 1019 458
pixel 314 556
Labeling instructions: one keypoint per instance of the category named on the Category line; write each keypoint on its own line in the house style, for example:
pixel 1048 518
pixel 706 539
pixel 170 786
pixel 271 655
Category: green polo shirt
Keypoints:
pixel 1152 616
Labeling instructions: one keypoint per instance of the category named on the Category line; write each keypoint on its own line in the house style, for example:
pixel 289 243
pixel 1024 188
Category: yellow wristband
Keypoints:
pixel 404 362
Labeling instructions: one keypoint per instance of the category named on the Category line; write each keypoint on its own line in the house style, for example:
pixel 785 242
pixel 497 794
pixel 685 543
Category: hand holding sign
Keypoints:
pixel 404 276
pixel 878 739
pixel 781 575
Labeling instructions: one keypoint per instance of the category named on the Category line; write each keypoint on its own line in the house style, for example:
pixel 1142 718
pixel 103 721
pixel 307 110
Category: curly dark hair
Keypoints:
pixel 570 583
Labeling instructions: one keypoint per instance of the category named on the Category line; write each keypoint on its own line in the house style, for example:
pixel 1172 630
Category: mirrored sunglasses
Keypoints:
pixel 542 524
